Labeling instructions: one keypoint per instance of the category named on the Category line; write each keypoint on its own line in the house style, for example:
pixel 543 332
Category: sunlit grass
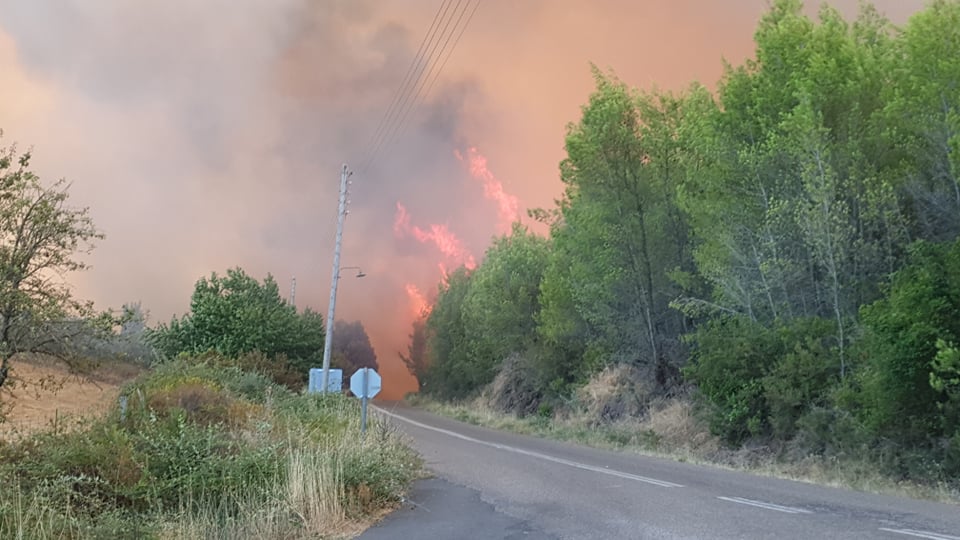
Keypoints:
pixel 206 452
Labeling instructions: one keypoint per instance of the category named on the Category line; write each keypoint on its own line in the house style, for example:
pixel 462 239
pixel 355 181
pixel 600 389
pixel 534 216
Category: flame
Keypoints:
pixel 438 234
pixel 508 206
pixel 418 302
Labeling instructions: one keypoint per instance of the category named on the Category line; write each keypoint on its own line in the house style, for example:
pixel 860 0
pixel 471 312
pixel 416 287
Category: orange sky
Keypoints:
pixel 205 135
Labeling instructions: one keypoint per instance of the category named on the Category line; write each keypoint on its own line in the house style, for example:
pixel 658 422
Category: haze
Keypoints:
pixel 207 135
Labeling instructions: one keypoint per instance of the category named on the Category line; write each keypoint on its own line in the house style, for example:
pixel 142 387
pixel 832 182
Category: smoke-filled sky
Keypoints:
pixel 210 134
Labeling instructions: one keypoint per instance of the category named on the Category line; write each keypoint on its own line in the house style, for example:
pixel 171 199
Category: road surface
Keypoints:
pixel 490 484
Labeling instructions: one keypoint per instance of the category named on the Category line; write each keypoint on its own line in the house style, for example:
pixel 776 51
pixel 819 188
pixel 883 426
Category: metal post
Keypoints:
pixel 363 401
pixel 328 339
pixel 123 408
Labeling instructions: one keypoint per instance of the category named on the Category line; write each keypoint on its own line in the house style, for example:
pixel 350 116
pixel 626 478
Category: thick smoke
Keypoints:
pixel 206 135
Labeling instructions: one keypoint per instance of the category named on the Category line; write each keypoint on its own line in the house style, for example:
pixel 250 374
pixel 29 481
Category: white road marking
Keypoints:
pixel 922 534
pixel 766 505
pixel 538 455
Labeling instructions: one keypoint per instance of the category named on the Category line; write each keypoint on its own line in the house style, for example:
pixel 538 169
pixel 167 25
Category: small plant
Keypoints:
pixel 204 451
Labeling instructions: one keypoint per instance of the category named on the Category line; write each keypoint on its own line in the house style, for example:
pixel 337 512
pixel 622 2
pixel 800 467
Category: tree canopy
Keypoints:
pixel 235 314
pixel 41 237
pixel 785 246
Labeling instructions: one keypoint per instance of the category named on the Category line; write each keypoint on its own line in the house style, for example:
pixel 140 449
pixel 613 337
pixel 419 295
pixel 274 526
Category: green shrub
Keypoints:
pixel 803 378
pixel 730 357
pixel 759 381
pixel 920 309
pixel 375 474
pixel 204 444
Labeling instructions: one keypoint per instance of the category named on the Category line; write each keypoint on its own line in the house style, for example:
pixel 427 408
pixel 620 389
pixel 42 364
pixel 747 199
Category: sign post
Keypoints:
pixel 334 381
pixel 365 384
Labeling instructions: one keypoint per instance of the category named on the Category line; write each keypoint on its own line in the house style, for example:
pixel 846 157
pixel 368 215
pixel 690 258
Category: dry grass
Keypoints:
pixel 616 392
pixel 670 429
pixel 299 471
pixel 34 518
pixel 46 393
pixel 307 504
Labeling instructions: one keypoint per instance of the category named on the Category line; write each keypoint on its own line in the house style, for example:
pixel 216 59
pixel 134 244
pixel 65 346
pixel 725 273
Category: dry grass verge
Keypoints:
pixel 206 451
pixel 45 393
pixel 670 429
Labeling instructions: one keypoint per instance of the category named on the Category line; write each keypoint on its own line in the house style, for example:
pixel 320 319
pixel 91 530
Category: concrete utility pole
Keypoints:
pixel 293 291
pixel 328 339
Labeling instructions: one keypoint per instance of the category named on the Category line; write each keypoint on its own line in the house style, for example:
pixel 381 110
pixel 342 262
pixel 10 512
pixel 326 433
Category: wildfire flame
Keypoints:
pixel 508 206
pixel 418 302
pixel 438 234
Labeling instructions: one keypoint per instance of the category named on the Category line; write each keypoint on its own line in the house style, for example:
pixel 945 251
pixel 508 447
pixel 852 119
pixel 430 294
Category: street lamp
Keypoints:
pixel 357 268
pixel 328 338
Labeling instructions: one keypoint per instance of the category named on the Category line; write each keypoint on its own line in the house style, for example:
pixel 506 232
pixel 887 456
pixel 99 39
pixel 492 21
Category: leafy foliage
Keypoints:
pixel 450 375
pixel 909 376
pixel 788 243
pixel 198 438
pixel 40 238
pixel 235 315
pixel 417 359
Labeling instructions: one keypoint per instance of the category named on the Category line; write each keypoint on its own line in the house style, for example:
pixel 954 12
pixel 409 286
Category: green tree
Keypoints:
pixel 920 311
pixel 794 211
pixel 924 114
pixel 500 309
pixel 945 379
pixel 417 359
pixel 40 237
pixel 450 374
pixel 235 314
pixel 620 235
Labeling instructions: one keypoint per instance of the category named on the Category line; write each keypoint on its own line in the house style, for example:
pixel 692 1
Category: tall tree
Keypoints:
pixel 417 359
pixel 621 234
pixel 40 237
pixel 795 212
pixel 925 114
pixel 500 309
pixel 450 374
pixel 351 347
pixel 235 314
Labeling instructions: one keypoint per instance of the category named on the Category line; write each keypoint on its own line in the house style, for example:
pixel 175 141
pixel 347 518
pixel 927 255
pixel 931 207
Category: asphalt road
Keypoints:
pixel 495 485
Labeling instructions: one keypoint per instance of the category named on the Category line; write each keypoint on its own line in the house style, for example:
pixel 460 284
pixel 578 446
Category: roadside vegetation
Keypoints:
pixel 204 450
pixel 212 438
pixel 778 258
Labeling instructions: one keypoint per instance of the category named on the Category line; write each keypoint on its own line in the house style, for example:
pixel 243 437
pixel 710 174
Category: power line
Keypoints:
pixel 429 86
pixel 389 114
pixel 403 108
pixel 406 105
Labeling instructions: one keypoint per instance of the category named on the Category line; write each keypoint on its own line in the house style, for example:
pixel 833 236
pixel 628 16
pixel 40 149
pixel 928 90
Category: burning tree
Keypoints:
pixel 40 235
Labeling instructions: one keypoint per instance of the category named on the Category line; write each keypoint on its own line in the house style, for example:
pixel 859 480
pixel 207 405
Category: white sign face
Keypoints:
pixel 334 380
pixel 373 383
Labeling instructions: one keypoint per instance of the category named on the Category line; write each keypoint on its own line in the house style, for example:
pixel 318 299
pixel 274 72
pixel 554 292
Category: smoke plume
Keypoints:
pixel 206 135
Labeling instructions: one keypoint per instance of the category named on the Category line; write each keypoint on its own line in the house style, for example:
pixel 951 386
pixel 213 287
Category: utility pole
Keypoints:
pixel 293 291
pixel 328 338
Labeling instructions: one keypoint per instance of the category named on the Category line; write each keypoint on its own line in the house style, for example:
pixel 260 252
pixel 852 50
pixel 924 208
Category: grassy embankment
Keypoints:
pixel 670 429
pixel 204 452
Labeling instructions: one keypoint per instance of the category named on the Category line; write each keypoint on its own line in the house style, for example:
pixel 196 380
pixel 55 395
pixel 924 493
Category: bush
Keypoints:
pixel 730 357
pixel 235 315
pixel 920 309
pixel 208 447
pixel 515 387
pixel 803 378
pixel 758 381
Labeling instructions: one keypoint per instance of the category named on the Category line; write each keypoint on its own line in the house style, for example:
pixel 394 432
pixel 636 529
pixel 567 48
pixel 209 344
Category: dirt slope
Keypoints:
pixel 45 392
